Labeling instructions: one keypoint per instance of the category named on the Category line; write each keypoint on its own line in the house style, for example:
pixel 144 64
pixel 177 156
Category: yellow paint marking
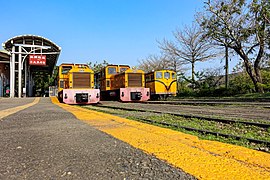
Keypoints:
pixel 7 112
pixel 201 158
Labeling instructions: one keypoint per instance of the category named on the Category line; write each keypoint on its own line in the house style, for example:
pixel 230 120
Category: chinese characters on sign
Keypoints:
pixel 39 60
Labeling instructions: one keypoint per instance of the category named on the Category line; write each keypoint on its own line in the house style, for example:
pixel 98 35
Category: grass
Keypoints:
pixel 239 96
pixel 254 95
pixel 237 129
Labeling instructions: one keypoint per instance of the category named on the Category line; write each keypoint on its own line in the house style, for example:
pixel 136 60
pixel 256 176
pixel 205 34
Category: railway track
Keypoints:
pixel 251 113
pixel 210 103
pixel 267 143
pixel 263 125
pixel 264 143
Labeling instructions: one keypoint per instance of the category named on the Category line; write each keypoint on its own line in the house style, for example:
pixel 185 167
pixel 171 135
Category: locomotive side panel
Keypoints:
pixel 150 83
pixel 111 80
pixel 121 83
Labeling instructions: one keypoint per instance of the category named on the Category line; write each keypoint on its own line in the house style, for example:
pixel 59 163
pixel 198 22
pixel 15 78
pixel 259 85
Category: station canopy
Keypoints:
pixel 32 44
pixel 4 56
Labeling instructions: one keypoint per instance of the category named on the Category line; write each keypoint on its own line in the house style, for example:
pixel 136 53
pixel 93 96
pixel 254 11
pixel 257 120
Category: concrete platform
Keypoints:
pixel 203 159
pixel 40 140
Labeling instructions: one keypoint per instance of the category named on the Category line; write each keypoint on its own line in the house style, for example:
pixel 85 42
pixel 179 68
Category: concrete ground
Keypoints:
pixel 6 103
pixel 45 141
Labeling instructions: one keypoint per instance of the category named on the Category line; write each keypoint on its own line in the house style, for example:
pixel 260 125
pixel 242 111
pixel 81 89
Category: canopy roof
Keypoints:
pixel 30 44
pixel 4 56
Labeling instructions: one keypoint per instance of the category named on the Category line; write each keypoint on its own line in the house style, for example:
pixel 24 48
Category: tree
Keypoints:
pixel 211 77
pixel 190 46
pixel 41 81
pixel 96 67
pixel 53 76
pixel 158 62
pixel 242 25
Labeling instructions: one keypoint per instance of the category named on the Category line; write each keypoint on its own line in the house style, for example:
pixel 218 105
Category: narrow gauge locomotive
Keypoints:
pixel 119 82
pixel 162 84
pixel 76 84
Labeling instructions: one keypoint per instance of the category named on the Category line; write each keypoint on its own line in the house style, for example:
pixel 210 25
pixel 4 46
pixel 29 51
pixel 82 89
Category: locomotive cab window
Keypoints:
pixel 173 75
pixel 167 75
pixel 152 77
pixel 111 70
pixel 148 78
pixel 66 69
pixel 102 74
pixel 61 84
pixel 123 70
pixel 158 75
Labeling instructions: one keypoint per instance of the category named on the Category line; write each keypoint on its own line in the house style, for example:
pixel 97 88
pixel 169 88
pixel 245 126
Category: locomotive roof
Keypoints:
pixel 73 64
pixel 160 70
pixel 117 65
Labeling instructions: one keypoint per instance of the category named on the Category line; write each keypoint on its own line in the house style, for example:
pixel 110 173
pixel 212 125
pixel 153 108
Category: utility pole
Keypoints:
pixel 226 66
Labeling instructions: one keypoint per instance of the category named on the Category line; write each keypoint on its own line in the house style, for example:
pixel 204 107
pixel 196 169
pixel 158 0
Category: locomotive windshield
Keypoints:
pixel 111 70
pixel 66 69
pixel 123 69
pixel 173 75
pixel 167 75
pixel 159 75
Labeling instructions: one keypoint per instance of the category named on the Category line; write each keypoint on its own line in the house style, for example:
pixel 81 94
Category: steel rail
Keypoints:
pixel 257 141
pixel 211 103
pixel 263 125
pixel 267 143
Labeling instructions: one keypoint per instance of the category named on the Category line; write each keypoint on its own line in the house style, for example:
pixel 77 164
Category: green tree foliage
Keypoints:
pixel 53 77
pixel 41 81
pixel 244 26
pixel 96 67
pixel 241 83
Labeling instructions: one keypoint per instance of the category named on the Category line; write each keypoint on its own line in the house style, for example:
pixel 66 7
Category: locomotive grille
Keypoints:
pixel 135 80
pixel 81 80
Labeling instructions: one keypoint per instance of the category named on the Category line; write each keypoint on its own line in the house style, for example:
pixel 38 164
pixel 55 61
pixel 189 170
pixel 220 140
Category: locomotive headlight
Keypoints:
pixel 97 95
pixel 122 94
pixel 147 94
pixel 65 96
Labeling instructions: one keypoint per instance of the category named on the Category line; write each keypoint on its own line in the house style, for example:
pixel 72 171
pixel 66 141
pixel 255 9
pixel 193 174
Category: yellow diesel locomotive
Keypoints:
pixel 119 82
pixel 76 84
pixel 162 83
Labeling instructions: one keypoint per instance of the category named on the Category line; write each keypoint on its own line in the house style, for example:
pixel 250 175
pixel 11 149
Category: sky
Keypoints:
pixel 118 31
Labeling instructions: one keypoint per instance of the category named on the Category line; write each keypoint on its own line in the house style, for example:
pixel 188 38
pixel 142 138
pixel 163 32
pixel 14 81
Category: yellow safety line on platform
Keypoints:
pixel 7 112
pixel 201 158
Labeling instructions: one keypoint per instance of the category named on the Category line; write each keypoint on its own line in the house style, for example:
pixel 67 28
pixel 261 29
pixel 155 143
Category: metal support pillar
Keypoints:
pixel 25 79
pixel 20 73
pixel 30 84
pixel 12 73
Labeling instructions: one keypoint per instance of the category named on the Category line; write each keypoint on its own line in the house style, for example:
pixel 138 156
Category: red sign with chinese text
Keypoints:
pixel 38 60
